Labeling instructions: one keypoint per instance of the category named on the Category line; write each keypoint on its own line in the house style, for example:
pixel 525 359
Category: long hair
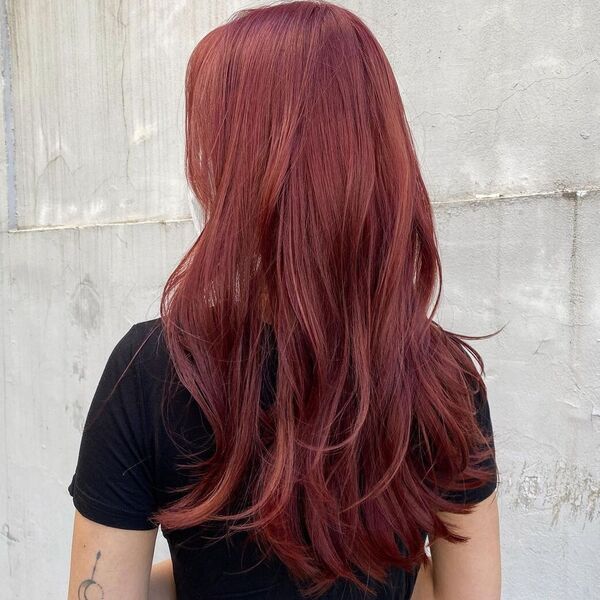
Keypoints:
pixel 319 236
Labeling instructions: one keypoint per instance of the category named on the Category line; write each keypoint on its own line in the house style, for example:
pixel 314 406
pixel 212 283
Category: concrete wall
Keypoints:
pixel 504 101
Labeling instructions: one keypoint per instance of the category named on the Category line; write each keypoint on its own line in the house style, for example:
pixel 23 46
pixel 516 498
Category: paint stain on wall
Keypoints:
pixel 565 489
pixel 75 411
pixel 78 370
pixel 86 307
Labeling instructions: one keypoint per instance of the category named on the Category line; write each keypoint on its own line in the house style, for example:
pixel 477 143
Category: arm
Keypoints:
pixel 113 485
pixel 162 583
pixel 468 571
pixel 107 562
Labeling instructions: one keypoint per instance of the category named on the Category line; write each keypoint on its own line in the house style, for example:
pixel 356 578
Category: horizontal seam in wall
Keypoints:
pixel 478 199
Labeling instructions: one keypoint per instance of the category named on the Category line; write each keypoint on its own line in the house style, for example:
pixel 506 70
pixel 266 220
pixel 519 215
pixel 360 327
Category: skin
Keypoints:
pixel 469 571
pixel 109 563
pixel 162 584
pixel 116 563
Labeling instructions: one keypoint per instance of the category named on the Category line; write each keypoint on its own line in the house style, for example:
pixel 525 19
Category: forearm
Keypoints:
pixel 162 584
pixel 423 589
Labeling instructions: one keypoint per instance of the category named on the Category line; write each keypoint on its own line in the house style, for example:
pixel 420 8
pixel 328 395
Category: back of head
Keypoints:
pixel 319 229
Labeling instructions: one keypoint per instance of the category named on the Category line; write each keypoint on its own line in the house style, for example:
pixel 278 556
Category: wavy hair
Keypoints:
pixel 319 237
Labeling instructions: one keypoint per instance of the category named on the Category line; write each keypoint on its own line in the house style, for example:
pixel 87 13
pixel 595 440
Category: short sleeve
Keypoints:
pixel 484 420
pixel 113 479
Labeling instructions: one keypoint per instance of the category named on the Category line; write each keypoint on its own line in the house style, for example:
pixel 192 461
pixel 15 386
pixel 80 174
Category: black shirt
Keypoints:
pixel 126 469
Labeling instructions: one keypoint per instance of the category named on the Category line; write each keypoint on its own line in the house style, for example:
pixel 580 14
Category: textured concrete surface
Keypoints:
pixel 504 103
pixel 498 93
pixel 533 263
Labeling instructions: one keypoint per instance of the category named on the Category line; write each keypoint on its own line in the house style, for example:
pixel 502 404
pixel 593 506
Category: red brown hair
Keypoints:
pixel 299 152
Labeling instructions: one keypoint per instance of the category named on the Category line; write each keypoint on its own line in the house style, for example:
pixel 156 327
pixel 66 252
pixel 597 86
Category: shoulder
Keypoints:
pixel 124 377
pixel 142 342
pixel 142 332
pixel 139 358
pixel 134 339
pixel 145 345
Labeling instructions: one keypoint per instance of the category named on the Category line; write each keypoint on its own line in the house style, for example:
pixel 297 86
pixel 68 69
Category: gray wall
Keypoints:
pixel 504 101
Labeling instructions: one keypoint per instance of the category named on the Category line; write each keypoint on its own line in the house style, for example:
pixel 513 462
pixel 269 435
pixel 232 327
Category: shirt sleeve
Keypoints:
pixel 484 419
pixel 113 479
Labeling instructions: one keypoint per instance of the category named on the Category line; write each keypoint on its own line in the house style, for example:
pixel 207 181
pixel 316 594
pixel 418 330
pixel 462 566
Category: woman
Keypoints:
pixel 294 420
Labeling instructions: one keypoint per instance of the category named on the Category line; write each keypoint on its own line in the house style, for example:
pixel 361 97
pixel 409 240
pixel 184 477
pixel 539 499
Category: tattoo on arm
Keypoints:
pixel 90 589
